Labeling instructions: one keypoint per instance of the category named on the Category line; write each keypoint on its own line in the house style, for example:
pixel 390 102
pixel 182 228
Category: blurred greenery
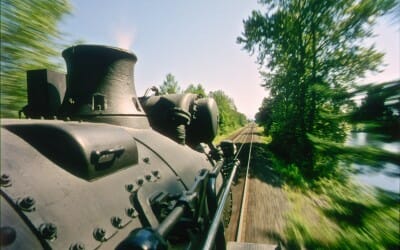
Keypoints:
pixel 329 213
pixel 311 55
pixel 342 216
pixel 379 111
pixel 367 155
pixel 30 39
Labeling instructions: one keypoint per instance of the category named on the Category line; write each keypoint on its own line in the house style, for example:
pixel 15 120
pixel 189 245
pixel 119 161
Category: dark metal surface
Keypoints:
pixel 204 125
pixel 86 150
pixel 185 118
pixel 13 223
pixel 46 90
pixel 216 222
pixel 92 182
pixel 100 83
pixel 75 206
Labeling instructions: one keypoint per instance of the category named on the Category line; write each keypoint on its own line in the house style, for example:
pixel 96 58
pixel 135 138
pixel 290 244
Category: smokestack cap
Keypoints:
pixel 94 50
pixel 100 84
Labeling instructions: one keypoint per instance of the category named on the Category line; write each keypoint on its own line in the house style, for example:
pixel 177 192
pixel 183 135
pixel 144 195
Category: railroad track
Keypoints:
pixel 243 213
pixel 235 230
pixel 257 207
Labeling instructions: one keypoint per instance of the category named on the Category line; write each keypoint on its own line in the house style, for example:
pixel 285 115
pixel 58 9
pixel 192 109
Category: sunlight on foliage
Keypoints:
pixel 343 216
pixel 29 40
pixel 311 54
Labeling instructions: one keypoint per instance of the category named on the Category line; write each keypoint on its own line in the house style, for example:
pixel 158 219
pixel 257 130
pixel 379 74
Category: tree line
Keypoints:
pixel 229 117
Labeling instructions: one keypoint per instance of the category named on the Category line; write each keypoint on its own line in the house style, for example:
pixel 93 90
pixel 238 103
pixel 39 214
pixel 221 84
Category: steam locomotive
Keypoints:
pixel 96 167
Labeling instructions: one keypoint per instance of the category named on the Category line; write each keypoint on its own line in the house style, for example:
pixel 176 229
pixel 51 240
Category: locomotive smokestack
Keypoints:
pixel 100 86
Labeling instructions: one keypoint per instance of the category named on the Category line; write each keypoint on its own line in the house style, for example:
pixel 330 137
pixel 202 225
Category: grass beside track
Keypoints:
pixel 342 216
pixel 339 214
pixel 217 140
pixel 333 214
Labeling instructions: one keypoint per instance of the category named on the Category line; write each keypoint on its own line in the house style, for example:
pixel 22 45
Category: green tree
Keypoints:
pixel 311 53
pixel 379 111
pixel 170 85
pixel 229 117
pixel 199 90
pixel 263 116
pixel 381 102
pixel 29 40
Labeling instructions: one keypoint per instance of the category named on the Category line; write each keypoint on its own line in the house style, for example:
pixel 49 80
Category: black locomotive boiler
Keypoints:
pixel 92 166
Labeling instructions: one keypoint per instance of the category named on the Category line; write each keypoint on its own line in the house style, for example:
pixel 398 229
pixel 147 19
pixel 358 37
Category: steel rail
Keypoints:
pixel 218 214
pixel 217 217
pixel 243 205
pixel 236 139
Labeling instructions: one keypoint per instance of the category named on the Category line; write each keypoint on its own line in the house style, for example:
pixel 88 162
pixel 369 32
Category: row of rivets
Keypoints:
pixel 149 177
pixel 47 230
pixel 99 234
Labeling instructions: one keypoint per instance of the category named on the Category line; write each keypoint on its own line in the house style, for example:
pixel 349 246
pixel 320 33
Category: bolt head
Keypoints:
pixel 140 181
pixel 99 234
pixel 77 246
pixel 5 180
pixel 48 231
pixel 27 204
pixel 131 212
pixel 116 221
pixel 156 174
pixel 148 177
pixel 129 187
pixel 146 160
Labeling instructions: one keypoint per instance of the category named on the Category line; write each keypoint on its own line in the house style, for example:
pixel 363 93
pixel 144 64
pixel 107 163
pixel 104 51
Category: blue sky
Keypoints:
pixel 195 41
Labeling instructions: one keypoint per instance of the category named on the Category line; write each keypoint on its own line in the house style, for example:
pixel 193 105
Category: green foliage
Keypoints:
pixel 365 155
pixel 263 116
pixel 229 118
pixel 343 216
pixel 170 85
pixel 381 103
pixel 380 109
pixel 328 213
pixel 312 54
pixel 29 40
pixel 291 175
pixel 199 90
